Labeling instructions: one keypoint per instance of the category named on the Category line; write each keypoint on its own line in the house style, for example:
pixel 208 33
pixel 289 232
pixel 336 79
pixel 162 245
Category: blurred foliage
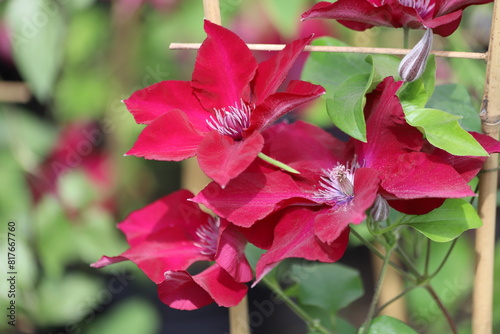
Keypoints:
pixel 79 58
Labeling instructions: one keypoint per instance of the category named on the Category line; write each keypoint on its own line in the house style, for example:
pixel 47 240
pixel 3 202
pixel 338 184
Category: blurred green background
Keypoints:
pixel 65 65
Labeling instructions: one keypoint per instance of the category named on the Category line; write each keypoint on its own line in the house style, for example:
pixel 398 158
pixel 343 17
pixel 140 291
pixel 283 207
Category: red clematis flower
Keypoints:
pixel 409 167
pixel 219 114
pixel 442 16
pixel 168 236
pixel 307 216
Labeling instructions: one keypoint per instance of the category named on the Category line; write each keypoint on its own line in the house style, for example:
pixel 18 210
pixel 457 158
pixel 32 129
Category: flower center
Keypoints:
pixel 232 121
pixel 336 186
pixel 208 235
pixel 423 7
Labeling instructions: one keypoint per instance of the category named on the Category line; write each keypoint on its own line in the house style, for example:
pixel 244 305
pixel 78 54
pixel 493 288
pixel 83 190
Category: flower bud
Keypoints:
pixel 380 209
pixel 413 64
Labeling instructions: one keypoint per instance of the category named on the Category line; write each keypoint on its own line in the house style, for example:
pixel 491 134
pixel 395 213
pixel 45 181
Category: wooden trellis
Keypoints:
pixel 490 116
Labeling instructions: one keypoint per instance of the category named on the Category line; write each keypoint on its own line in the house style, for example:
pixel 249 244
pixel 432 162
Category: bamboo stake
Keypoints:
pixel 238 315
pixel 482 302
pixel 353 49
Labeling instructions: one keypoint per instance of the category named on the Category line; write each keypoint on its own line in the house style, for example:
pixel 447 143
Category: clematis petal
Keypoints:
pixel 223 70
pixel 149 103
pixel 445 25
pixel 231 253
pixel 276 105
pixel 251 196
pixel 418 206
pixel 294 238
pixel 304 146
pixel 419 175
pixel 222 158
pixel 271 73
pixel 448 6
pixel 355 14
pixel 182 291
pixel 330 224
pixel 107 260
pixel 170 137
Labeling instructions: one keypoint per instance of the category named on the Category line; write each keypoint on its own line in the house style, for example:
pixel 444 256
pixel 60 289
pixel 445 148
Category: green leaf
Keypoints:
pixel 389 325
pixel 328 286
pixel 443 131
pixel 383 66
pixel 455 99
pixel 346 107
pixel 330 69
pixel 448 221
pixel 38 28
pixel 416 94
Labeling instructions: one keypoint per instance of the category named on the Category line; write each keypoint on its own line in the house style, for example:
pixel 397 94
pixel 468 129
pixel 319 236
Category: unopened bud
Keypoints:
pixel 380 209
pixel 413 64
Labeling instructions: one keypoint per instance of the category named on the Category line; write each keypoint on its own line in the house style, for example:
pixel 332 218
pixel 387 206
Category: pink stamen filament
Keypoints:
pixel 232 122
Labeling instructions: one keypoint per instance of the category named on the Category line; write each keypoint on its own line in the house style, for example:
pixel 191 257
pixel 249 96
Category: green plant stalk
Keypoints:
pixel 277 163
pixel 380 255
pixel 406 37
pixel 312 323
pixel 371 311
pixel 427 258
pixel 404 292
pixel 454 242
pixel 438 301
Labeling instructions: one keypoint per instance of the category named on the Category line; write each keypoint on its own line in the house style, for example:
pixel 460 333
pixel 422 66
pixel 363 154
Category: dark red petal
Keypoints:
pixel 107 260
pixel 329 224
pixel 419 206
pixel 223 70
pixel 149 103
pixel 222 158
pixel 448 6
pixel 231 253
pixel 271 73
pixel 304 146
pixel 294 238
pixel 445 25
pixel 466 166
pixel 250 197
pixel 185 292
pixel 420 175
pixel 297 93
pixel 170 137
pixel 354 14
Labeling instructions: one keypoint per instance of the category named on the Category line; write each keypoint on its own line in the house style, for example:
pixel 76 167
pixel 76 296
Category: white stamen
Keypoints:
pixel 423 7
pixel 208 234
pixel 232 122
pixel 337 185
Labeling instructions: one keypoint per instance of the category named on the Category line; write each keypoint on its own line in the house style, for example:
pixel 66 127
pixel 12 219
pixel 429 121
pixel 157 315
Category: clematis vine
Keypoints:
pixel 442 16
pixel 219 115
pixel 171 234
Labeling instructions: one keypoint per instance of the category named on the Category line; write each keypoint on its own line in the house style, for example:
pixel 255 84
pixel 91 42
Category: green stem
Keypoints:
pixel 408 263
pixel 454 242
pixel 311 322
pixel 277 163
pixel 442 307
pixel 378 254
pixel 406 37
pixel 404 292
pixel 427 258
pixel 371 311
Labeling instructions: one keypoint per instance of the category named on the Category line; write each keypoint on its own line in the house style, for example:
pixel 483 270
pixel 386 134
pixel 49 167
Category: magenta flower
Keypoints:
pixel 307 216
pixel 442 16
pixel 168 236
pixel 409 167
pixel 219 114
